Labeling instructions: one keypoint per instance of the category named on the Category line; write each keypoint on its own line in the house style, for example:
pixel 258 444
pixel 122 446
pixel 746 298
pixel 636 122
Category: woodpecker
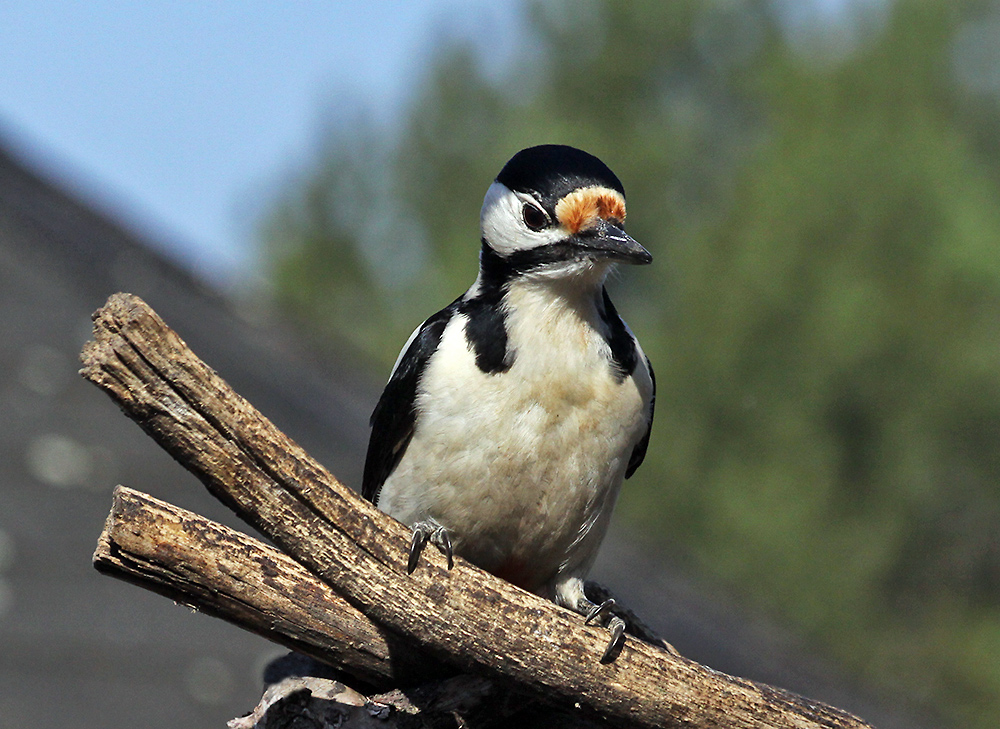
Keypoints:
pixel 513 415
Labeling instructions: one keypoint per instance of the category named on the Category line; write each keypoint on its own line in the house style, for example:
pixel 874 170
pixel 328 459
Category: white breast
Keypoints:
pixel 523 466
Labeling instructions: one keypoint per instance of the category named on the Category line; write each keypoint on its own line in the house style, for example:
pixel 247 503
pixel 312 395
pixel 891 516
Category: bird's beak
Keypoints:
pixel 607 240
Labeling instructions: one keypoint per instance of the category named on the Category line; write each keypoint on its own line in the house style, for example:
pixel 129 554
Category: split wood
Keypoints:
pixel 463 617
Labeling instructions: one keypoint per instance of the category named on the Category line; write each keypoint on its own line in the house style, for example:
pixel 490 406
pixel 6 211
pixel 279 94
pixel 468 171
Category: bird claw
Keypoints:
pixel 600 611
pixel 615 626
pixel 445 544
pixel 417 543
pixel 424 532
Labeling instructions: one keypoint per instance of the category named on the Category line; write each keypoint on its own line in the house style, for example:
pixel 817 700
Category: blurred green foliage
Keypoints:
pixel 823 311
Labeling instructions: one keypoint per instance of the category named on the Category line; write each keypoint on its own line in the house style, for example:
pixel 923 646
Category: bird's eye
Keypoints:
pixel 533 217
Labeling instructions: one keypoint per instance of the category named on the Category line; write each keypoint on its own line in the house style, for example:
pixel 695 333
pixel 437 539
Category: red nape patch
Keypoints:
pixel 582 208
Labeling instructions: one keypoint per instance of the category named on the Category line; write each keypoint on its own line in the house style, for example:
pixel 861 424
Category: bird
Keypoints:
pixel 513 415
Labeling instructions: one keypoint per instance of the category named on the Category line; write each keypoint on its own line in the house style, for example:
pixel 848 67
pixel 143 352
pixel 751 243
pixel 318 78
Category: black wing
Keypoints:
pixel 624 360
pixel 639 452
pixel 624 353
pixel 395 414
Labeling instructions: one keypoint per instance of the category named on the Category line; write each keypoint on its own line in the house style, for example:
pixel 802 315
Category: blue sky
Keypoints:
pixel 179 117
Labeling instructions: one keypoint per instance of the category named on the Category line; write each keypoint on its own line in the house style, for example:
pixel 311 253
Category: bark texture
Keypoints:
pixel 463 617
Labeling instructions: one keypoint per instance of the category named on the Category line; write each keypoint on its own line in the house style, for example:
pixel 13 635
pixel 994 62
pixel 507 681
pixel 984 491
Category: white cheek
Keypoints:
pixel 503 226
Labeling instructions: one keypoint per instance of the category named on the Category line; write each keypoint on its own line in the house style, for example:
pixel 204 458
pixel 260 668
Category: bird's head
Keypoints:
pixel 557 211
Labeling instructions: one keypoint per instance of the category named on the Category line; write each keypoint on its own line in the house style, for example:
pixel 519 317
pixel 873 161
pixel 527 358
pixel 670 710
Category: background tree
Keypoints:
pixel 821 202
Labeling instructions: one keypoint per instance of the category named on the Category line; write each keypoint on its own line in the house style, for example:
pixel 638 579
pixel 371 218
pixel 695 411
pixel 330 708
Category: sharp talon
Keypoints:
pixel 417 544
pixel 445 544
pixel 617 630
pixel 601 610
pixel 428 531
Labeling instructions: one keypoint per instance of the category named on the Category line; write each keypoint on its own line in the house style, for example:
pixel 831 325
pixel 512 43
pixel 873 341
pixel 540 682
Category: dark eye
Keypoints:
pixel 533 217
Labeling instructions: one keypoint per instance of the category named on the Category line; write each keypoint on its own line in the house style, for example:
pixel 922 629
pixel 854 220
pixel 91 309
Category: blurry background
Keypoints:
pixel 818 181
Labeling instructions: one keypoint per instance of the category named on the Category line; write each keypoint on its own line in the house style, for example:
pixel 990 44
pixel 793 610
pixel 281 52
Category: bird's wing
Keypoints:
pixel 626 358
pixel 395 414
pixel 639 452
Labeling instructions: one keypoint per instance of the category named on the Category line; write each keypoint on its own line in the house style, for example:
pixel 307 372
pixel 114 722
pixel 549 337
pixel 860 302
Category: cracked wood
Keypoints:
pixel 464 616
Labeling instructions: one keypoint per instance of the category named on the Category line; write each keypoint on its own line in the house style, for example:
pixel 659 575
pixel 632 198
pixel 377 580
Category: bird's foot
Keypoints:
pixel 428 531
pixel 604 614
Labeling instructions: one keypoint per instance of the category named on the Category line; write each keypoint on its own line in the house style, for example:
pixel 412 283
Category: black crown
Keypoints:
pixel 551 171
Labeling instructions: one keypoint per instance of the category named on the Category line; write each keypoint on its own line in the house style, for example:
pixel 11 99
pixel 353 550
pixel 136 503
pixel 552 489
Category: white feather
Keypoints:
pixel 503 225
pixel 523 467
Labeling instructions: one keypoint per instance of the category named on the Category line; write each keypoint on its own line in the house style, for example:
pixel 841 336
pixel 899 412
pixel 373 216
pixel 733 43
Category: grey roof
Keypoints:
pixel 80 646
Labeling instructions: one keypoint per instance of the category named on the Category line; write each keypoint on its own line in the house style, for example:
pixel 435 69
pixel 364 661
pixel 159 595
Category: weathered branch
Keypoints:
pixel 465 615
pixel 221 572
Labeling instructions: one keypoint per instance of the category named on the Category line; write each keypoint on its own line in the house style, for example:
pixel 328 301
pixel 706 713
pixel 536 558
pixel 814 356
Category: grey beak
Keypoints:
pixel 609 241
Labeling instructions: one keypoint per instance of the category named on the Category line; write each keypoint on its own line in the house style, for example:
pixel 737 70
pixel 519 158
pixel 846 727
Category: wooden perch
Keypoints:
pixel 464 616
pixel 221 572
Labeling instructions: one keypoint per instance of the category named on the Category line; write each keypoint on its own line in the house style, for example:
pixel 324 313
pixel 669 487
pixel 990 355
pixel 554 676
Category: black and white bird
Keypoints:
pixel 513 415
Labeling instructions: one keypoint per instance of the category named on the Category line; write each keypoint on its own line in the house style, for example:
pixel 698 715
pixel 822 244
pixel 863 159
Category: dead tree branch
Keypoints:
pixel 221 572
pixel 464 616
